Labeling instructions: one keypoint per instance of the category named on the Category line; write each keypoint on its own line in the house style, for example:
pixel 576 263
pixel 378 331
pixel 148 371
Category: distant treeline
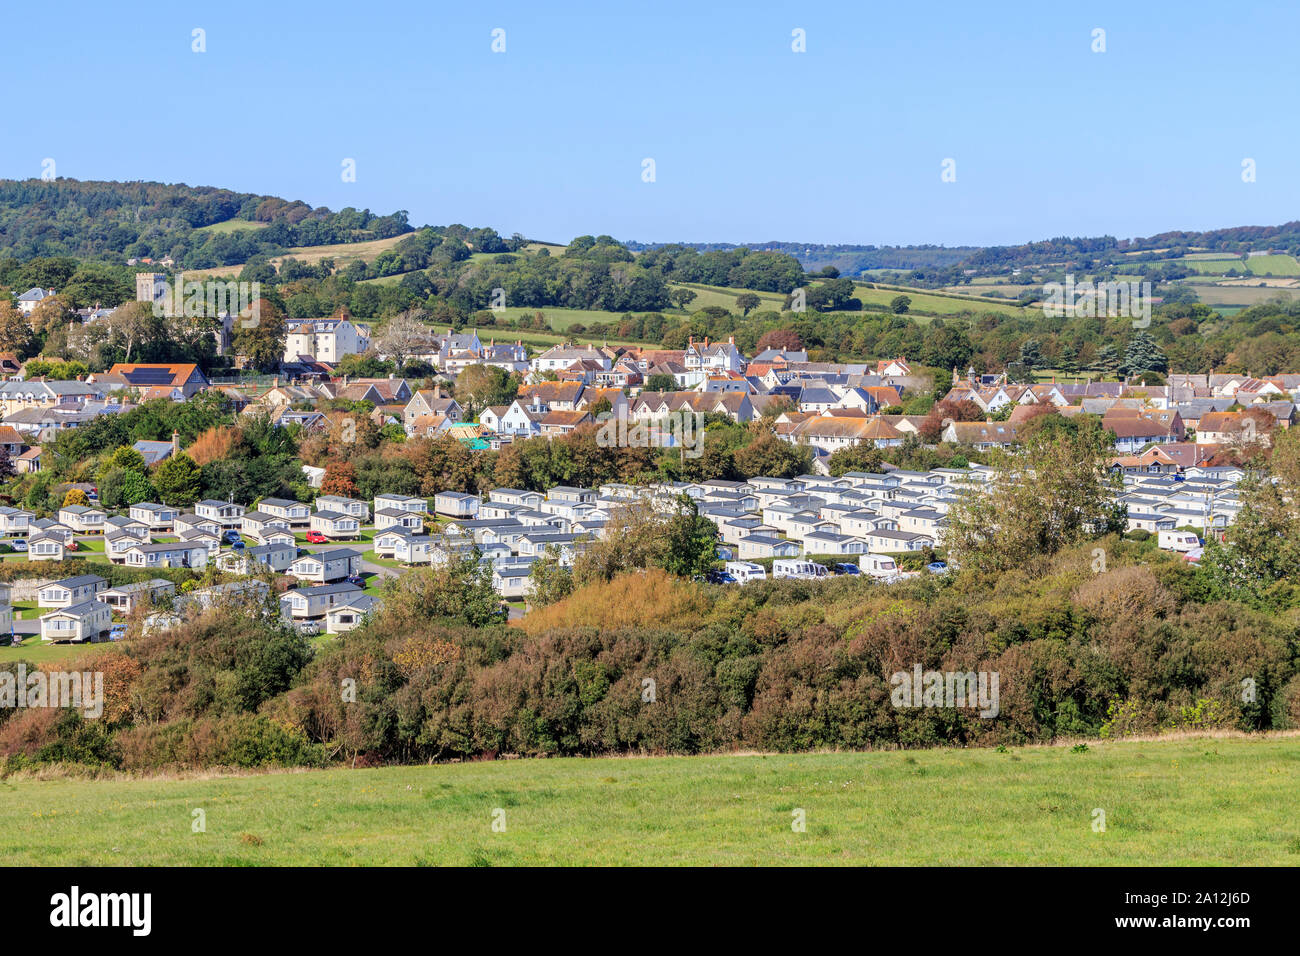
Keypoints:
pixel 110 220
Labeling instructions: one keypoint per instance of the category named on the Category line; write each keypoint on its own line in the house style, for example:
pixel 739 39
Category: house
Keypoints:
pixel 756 546
pixel 192 522
pixel 348 506
pixel 70 591
pixel 155 451
pixel 29 300
pixel 323 340
pixel 117 543
pixel 277 557
pixel 225 513
pixel 178 554
pixel 82 519
pixel 454 504
pixel 258 524
pixel 350 613
pixel 336 524
pixel 401 503
pixel 410 548
pixel 295 513
pixel 120 524
pixel 398 518
pixel 325 567
pixel 251 591
pixel 513 580
pixel 157 517
pixel 15 521
pixel 87 621
pixel 46 547
pixel 303 604
pixel 187 378
pixel 430 402
pixel 125 598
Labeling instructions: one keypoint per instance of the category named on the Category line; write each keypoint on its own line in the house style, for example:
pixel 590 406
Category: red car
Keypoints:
pixel 315 537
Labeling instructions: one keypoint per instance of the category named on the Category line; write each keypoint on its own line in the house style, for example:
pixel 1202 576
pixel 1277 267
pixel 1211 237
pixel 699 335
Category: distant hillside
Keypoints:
pixel 113 221
pixel 850 260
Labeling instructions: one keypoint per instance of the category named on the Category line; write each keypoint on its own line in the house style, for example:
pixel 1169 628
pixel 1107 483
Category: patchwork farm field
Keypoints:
pixel 1191 801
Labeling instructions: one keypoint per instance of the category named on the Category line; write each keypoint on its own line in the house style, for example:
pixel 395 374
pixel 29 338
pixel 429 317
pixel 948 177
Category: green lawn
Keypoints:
pixel 1187 801
pixel 33 651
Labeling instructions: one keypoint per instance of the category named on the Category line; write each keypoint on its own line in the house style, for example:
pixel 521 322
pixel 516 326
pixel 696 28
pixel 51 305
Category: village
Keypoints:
pixel 332 553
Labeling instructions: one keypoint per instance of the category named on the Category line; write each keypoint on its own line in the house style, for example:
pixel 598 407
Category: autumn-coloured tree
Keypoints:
pixel 786 340
pixel 218 443
pixel 340 479
pixel 75 497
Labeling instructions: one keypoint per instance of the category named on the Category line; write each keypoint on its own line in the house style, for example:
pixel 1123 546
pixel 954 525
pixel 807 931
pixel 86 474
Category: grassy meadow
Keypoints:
pixel 1183 801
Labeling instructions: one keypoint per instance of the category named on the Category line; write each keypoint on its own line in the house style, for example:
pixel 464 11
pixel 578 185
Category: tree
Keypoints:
pixel 261 339
pixel 177 479
pixel 75 498
pixel 340 479
pixel 121 488
pixel 15 330
pixel 1259 560
pixel 402 335
pixel 784 340
pixel 747 302
pixel 859 457
pixel 1050 492
pixel 899 304
pixel 661 382
pixel 478 386
pixel 768 455
pixel 1143 355
pixel 551 580
pixel 691 540
pixel 681 297
pixel 133 323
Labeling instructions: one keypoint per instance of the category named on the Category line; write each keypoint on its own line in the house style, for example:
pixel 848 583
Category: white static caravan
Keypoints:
pixel 746 571
pixel 795 568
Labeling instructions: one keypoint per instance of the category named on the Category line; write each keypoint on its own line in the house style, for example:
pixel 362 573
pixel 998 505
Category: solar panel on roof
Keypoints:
pixel 149 376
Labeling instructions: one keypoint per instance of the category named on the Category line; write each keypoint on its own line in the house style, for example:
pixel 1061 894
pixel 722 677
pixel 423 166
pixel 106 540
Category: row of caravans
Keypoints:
pixel 878 566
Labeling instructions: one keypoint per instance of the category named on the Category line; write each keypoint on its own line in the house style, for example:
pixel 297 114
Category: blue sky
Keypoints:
pixel 751 141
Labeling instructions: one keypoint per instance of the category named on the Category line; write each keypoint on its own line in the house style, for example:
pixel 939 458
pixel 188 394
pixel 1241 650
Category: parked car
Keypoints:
pixel 117 632
pixel 315 537
pixel 357 579
pixel 18 545
pixel 309 628
pixel 937 567
pixel 237 545
pixel 72 546
pixel 845 569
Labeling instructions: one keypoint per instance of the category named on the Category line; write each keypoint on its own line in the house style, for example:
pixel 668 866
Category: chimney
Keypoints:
pixel 275 382
pixel 176 442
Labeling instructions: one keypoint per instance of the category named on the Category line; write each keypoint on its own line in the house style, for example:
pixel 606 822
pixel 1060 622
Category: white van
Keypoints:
pixel 1178 541
pixel 878 566
pixel 745 571
pixel 798 568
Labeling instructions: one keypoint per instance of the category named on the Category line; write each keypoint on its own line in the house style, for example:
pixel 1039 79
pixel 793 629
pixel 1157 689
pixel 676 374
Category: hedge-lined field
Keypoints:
pixel 1191 800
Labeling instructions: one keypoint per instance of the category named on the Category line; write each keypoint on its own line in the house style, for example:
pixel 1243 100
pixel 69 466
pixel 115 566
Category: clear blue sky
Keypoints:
pixel 752 142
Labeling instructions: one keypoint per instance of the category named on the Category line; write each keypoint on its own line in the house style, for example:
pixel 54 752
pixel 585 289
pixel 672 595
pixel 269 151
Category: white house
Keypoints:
pixel 325 567
pixel 348 506
pixel 157 517
pixel 349 614
pixel 225 513
pixel 297 514
pixel 86 621
pixel 336 524
pixel 70 591
pixel 455 504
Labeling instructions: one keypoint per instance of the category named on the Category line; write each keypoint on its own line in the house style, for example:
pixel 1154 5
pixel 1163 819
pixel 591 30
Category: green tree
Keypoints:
pixel 178 480
pixel 1053 490
pixel 747 302
pixel 691 540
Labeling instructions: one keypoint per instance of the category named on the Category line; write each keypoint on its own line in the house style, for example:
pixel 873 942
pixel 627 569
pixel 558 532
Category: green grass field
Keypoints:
pixel 35 652
pixel 1190 801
